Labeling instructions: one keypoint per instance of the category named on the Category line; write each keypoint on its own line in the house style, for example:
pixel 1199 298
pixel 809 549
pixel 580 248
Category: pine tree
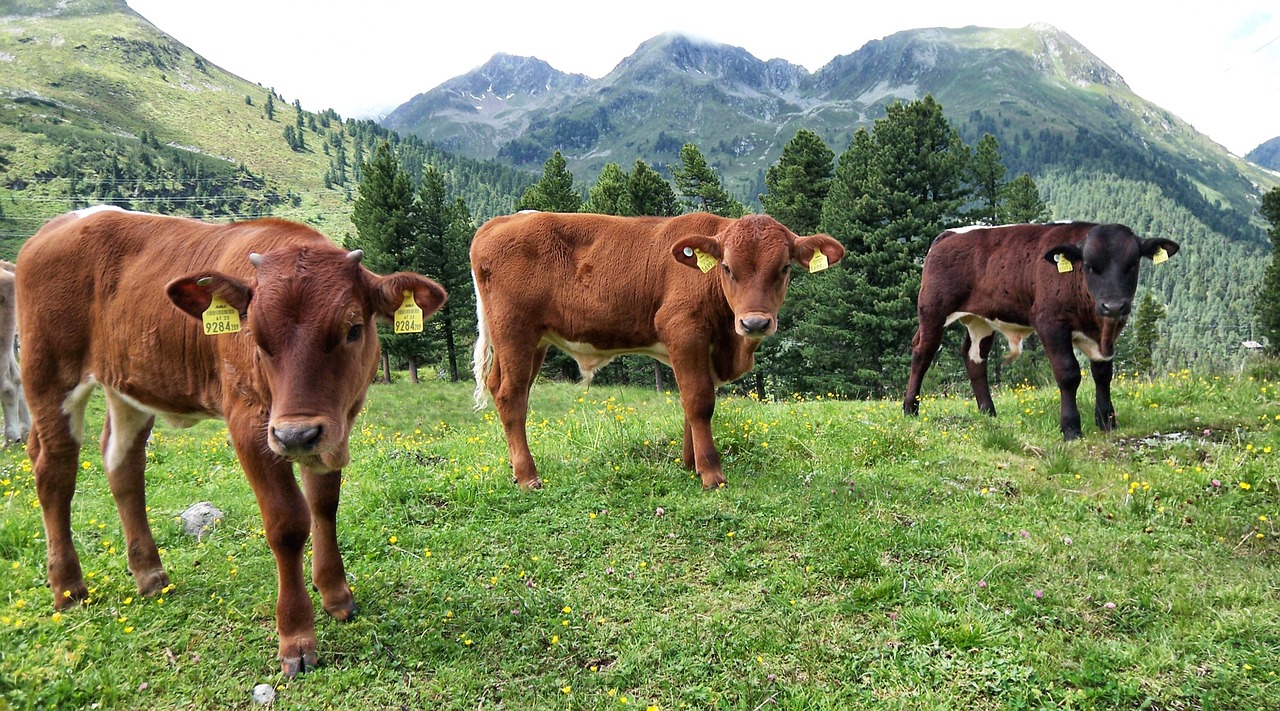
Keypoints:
pixel 1267 304
pixel 895 188
pixel 554 192
pixel 444 233
pixel 648 193
pixel 701 187
pixel 1144 333
pixel 605 196
pixel 798 183
pixel 383 214
pixel 986 172
pixel 1022 202
pixel 300 127
pixel 456 277
pixel 271 105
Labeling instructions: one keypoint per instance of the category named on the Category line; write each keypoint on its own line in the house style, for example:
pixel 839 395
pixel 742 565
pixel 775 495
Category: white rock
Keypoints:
pixel 264 694
pixel 199 519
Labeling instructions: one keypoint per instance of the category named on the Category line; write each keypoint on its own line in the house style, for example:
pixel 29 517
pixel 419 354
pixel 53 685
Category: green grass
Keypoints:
pixel 857 559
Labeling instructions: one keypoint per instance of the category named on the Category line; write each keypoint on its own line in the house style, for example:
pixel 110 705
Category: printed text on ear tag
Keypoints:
pixel 817 262
pixel 220 317
pixel 408 317
pixel 1160 256
pixel 1064 264
pixel 706 262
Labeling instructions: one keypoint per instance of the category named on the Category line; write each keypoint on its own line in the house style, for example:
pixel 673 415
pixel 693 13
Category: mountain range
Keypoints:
pixel 741 110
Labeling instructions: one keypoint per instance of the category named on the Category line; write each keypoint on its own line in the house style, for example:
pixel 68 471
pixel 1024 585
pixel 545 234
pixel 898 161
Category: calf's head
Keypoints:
pixel 1109 258
pixel 311 327
pixel 753 257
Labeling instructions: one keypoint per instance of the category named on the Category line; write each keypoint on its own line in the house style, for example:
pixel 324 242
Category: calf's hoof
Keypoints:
pixel 70 596
pixel 530 484
pixel 343 611
pixel 151 582
pixel 304 662
pixel 713 481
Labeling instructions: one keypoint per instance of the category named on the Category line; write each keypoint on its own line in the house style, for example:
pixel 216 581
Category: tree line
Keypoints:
pixel 847 332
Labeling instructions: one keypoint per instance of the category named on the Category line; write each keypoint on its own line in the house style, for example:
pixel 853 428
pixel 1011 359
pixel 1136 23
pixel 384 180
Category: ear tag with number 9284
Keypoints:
pixel 220 317
pixel 408 318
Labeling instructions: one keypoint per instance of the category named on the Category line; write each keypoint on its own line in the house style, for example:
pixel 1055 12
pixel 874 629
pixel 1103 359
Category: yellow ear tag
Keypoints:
pixel 1160 256
pixel 1064 264
pixel 220 317
pixel 818 262
pixel 706 262
pixel 408 316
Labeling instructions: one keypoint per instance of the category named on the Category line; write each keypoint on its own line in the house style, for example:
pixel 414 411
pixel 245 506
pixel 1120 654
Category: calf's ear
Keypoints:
pixel 1155 244
pixel 194 292
pixel 685 251
pixel 805 247
pixel 1069 252
pixel 389 293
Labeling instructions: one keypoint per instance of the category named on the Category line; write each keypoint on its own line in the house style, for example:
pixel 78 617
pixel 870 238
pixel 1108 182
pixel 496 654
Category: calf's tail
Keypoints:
pixel 482 357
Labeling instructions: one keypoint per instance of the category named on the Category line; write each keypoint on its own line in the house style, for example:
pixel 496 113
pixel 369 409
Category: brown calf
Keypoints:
pixel 597 286
pixel 95 310
pixel 1070 283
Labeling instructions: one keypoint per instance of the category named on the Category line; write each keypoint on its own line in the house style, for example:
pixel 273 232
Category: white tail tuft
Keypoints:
pixel 482 357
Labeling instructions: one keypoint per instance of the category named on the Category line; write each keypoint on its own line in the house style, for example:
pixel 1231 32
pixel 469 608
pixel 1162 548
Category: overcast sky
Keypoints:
pixel 1216 65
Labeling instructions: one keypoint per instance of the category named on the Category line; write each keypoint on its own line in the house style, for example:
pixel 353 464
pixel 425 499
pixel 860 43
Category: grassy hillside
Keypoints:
pixel 93 71
pixel 855 560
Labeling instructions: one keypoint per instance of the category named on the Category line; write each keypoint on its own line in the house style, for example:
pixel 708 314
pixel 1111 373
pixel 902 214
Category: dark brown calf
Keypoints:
pixel 696 292
pixel 1070 283
pixel 94 309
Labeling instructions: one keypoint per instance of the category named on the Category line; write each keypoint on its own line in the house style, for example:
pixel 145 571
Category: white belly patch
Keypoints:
pixel 1088 347
pixel 590 359
pixel 980 327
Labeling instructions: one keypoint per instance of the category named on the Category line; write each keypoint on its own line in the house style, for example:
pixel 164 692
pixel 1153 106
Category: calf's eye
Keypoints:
pixel 727 270
pixel 354 334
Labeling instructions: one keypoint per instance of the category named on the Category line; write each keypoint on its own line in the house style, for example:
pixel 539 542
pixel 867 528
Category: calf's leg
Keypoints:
pixel 686 448
pixel 24 413
pixel 54 447
pixel 1104 412
pixel 327 572
pixel 924 346
pixel 509 381
pixel 1066 371
pixel 287 522
pixel 10 402
pixel 976 364
pixel 692 366
pixel 124 455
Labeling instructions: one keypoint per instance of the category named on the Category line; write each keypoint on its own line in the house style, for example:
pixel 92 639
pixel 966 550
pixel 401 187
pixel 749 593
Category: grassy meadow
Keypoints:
pixel 857 559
